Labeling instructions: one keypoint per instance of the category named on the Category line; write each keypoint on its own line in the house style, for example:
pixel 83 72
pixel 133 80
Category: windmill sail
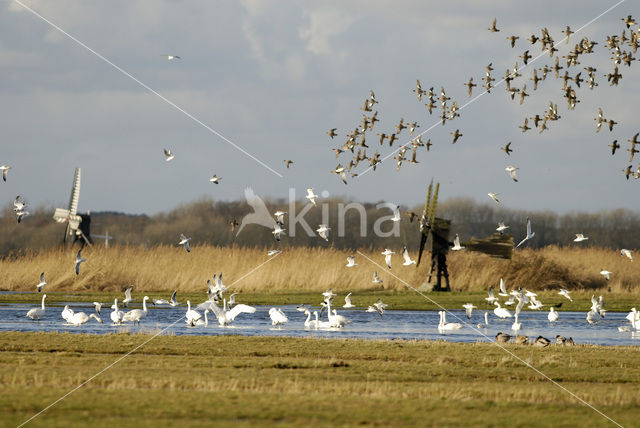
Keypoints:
pixel 70 215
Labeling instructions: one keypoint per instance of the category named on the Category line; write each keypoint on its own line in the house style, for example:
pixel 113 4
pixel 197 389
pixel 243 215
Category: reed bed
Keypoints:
pixel 167 268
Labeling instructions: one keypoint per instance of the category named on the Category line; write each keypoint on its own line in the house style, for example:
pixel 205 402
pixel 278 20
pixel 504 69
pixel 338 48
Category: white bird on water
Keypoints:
pixel 323 231
pixel 173 301
pixel 42 282
pixel 446 326
pixel 184 241
pixel 456 244
pixel 79 318
pixel 191 315
pixel 580 237
pixel 553 315
pixel 225 315
pixel 116 314
pixel 67 313
pixel 79 260
pixel 486 321
pixel 530 234
pixel 277 316
pixel 37 313
pixel 168 155
pixel 387 253
pixel 351 261
pixel 512 172
pixel 347 302
pixel 501 312
pixel 407 259
pixel 136 315
pixel 311 196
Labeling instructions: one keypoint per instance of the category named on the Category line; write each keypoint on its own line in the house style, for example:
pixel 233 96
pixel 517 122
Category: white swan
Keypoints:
pixel 191 315
pixel 116 314
pixel 334 319
pixel 225 316
pixel 80 318
pixel 136 315
pixel 516 326
pixel 444 325
pixel 202 322
pixel 277 316
pixel 37 313
pixel 553 315
pixel 486 321
pixel 308 323
pixel 501 312
pixel 320 324
pixel 67 313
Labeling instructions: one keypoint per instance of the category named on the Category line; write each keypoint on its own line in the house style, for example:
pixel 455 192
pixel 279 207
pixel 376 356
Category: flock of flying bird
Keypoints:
pixel 621 47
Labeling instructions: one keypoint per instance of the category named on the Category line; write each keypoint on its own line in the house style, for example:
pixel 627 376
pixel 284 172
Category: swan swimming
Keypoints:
pixel 445 326
pixel 37 313
pixel 191 315
pixel 79 318
pixel 501 312
pixel 116 314
pixel 553 315
pixel 225 315
pixel 277 317
pixel 136 315
pixel 486 321
pixel 67 313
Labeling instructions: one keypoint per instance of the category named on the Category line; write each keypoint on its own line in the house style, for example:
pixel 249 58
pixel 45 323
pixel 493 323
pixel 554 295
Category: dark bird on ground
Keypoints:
pixel 470 85
pixel 332 133
pixel 493 27
pixel 507 149
pixel 456 135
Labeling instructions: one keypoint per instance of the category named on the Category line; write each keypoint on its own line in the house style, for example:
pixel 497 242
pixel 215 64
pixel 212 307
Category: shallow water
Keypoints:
pixel 364 325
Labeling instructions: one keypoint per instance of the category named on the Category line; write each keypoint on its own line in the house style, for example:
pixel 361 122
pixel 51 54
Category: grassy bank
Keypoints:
pixel 200 381
pixel 309 270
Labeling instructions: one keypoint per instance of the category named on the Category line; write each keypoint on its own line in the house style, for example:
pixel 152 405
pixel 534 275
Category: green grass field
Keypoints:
pixel 257 381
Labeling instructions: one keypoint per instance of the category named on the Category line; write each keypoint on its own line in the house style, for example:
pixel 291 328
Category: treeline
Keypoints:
pixel 207 221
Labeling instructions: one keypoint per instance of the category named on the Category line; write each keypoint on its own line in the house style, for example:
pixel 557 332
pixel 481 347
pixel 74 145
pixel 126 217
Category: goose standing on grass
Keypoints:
pixel 37 313
pixel 79 318
pixel 347 302
pixel 387 253
pixel 503 337
pixel 407 259
pixel 225 315
pixel 79 260
pixel 501 312
pixel 553 315
pixel 136 315
pixel 42 282
pixel 116 315
pixel 67 313
pixel 277 316
pixel 446 326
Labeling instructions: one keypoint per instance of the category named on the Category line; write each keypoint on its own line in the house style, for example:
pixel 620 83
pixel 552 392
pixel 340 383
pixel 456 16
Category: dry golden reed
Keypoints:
pixel 166 268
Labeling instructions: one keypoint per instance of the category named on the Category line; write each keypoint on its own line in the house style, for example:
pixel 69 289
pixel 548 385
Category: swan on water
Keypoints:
pixel 277 316
pixel 225 315
pixel 444 325
pixel 116 314
pixel 201 322
pixel 136 315
pixel 67 313
pixel 37 313
pixel 79 318
pixel 191 315
pixel 486 320
pixel 501 312
pixel 553 315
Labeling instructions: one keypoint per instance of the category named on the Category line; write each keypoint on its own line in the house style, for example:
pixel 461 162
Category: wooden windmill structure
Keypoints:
pixel 78 225
pixel 497 245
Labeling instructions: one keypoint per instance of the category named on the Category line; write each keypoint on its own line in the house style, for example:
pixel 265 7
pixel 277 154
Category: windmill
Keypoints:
pixel 78 225
pixel 497 245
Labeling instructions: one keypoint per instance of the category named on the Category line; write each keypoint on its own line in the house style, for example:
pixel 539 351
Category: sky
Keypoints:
pixel 271 77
